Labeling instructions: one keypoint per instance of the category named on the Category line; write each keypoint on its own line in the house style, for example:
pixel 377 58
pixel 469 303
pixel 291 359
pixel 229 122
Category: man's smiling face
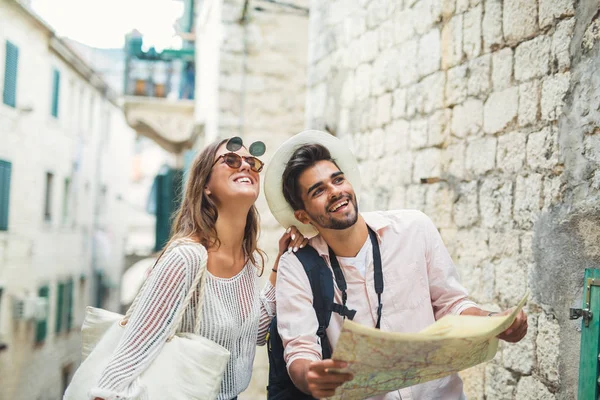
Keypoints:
pixel 329 199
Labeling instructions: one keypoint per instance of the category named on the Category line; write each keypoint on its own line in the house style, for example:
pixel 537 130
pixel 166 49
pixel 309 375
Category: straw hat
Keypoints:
pixel 273 185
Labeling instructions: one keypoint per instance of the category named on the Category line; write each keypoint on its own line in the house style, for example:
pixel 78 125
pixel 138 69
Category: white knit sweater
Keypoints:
pixel 234 315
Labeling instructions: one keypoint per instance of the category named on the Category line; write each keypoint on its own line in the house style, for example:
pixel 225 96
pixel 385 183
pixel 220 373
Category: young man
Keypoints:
pixel 312 179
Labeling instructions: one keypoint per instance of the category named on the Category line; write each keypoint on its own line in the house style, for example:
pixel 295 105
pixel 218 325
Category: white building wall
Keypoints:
pixel 208 27
pixel 35 252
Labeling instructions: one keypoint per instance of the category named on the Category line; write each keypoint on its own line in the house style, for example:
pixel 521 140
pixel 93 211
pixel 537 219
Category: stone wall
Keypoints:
pixel 261 74
pixel 484 115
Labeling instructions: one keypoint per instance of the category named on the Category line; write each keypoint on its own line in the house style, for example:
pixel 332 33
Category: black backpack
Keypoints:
pixel 280 385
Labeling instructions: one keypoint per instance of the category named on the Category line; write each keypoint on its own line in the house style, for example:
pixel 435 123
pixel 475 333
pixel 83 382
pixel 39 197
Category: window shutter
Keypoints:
pixel 163 201
pixel 168 199
pixel 55 92
pixel 99 285
pixel 59 307
pixel 69 304
pixel 9 95
pixel 42 326
pixel 5 172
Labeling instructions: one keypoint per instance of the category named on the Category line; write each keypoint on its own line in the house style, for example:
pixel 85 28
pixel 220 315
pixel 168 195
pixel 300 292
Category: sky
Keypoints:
pixel 104 23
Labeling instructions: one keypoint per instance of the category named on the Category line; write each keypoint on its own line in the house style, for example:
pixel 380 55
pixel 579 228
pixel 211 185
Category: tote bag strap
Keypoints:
pixel 198 279
pixel 141 290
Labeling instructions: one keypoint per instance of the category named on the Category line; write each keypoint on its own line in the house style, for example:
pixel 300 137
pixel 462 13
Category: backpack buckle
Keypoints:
pixel 321 331
pixel 344 311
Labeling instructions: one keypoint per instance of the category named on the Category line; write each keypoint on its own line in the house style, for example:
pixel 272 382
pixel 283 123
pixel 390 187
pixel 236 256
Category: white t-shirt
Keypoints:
pixel 362 259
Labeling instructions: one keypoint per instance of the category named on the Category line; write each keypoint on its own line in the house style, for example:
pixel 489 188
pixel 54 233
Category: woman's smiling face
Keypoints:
pixel 233 184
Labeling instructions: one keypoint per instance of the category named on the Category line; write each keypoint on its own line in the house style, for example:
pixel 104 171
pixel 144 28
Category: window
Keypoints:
pixel 69 288
pixel 64 306
pixel 60 304
pixel 48 198
pixel 41 328
pixel 100 289
pixel 66 201
pixel 9 95
pixel 55 92
pixel 5 172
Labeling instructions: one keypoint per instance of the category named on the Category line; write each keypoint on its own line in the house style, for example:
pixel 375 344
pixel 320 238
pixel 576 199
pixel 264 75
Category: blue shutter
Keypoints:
pixel 5 172
pixel 9 96
pixel 55 92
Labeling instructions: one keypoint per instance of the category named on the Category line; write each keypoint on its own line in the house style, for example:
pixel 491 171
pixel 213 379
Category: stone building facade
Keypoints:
pixel 483 114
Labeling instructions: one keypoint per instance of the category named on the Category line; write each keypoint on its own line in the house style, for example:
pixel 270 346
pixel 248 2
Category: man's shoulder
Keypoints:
pixel 406 218
pixel 289 259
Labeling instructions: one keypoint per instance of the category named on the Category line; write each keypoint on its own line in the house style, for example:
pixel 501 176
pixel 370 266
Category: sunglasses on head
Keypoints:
pixel 234 160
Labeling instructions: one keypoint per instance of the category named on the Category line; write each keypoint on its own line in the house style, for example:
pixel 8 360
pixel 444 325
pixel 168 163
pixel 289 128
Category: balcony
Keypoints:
pixel 159 93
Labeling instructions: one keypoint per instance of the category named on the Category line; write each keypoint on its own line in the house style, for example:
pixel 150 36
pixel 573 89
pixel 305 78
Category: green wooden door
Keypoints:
pixel 590 337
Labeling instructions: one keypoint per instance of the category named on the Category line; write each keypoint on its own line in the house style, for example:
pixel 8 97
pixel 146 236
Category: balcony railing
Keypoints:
pixel 167 74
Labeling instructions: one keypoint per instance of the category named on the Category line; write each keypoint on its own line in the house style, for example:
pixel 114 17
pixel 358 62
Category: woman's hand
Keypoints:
pixel 291 240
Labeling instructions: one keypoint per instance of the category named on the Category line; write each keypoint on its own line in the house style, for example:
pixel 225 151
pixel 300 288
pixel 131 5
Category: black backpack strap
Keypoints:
pixel 378 272
pixel 321 283
pixel 341 281
pixel 341 284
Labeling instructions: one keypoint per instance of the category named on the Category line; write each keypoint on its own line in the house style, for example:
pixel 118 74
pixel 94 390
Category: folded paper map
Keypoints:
pixel 385 361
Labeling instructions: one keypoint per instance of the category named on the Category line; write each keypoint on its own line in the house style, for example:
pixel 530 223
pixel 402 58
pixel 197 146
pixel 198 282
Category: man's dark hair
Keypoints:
pixel 303 158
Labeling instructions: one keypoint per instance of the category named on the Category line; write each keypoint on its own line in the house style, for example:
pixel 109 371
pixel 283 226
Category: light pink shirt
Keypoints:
pixel 420 286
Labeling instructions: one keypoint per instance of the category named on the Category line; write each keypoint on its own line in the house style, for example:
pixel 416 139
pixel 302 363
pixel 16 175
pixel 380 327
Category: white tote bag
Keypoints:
pixel 188 367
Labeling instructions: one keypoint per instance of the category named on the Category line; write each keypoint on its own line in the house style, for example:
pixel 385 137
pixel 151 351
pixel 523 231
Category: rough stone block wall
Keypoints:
pixel 484 115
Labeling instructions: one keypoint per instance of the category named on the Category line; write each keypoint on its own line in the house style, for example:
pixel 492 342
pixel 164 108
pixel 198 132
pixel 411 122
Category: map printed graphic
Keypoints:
pixel 385 361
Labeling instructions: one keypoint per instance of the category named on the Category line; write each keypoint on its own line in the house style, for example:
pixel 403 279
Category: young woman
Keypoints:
pixel 217 212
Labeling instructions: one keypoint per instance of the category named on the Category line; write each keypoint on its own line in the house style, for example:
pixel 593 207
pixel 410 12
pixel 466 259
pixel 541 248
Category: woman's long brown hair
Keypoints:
pixel 197 215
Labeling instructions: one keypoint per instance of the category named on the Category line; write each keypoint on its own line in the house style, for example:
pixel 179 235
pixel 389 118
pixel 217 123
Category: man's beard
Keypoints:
pixel 329 222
